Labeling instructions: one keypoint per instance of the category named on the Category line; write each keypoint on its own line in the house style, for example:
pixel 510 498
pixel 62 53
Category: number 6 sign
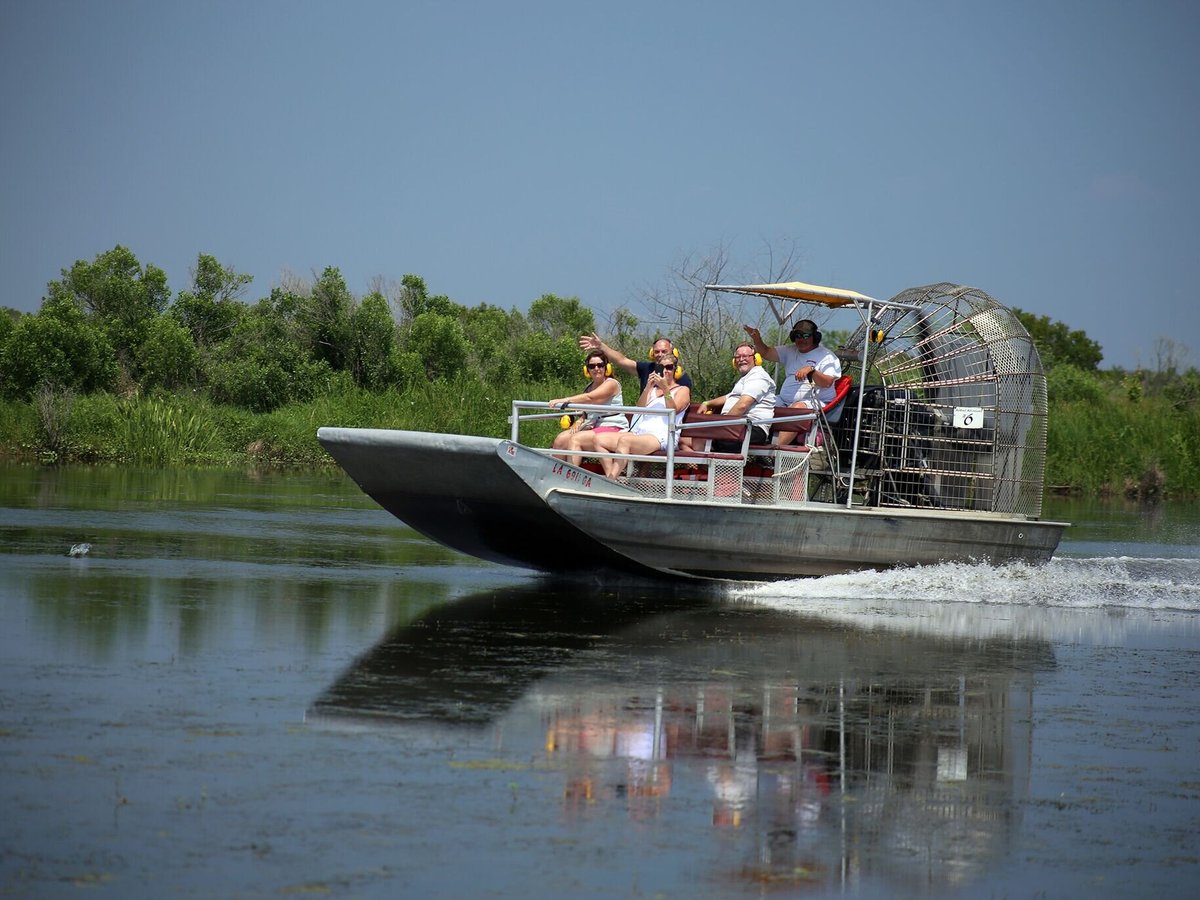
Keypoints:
pixel 968 417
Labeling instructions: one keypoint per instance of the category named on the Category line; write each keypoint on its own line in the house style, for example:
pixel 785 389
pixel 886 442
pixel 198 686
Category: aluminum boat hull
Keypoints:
pixel 456 490
pixel 755 543
pixel 499 501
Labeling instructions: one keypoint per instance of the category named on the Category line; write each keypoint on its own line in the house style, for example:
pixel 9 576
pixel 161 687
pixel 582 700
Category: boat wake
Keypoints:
pixel 1099 583
pixel 1060 598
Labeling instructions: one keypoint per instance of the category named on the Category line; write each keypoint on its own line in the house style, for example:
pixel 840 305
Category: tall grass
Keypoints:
pixel 1107 441
pixel 288 435
pixel 161 431
pixel 19 428
pixel 157 430
pixel 1139 448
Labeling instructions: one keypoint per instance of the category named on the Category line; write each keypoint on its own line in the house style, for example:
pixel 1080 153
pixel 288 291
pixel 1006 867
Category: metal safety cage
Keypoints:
pixel 953 403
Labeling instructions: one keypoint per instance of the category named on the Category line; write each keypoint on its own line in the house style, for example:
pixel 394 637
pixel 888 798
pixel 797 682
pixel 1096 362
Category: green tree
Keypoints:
pixel 622 326
pixel 415 299
pixel 1068 383
pixel 265 363
pixel 1183 393
pixel 1059 345
pixel 324 316
pixel 212 307
pixel 56 348
pixel 373 359
pixel 413 296
pixel 540 357
pixel 439 343
pixel 561 317
pixel 8 319
pixel 168 356
pixel 118 295
pixel 492 335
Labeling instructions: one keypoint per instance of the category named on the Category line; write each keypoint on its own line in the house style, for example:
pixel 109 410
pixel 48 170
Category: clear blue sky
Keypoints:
pixel 1046 151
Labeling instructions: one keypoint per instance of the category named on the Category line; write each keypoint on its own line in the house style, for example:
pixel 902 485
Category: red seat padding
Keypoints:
pixel 841 387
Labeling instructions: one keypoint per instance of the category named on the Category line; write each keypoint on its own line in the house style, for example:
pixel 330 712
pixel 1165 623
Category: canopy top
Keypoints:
pixel 798 290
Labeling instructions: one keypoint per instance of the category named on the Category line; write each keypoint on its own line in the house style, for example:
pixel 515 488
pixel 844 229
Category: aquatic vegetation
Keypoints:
pixel 159 432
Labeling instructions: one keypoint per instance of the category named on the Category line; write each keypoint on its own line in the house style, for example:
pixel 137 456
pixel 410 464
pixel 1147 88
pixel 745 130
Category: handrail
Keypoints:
pixel 673 426
pixel 558 411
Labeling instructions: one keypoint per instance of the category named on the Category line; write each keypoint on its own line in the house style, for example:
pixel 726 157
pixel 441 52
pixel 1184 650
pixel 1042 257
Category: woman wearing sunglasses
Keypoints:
pixel 649 433
pixel 602 389
pixel 811 369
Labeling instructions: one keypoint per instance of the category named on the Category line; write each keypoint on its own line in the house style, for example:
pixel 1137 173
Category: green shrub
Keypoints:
pixel 373 357
pixel 169 358
pixel 56 347
pixel 438 342
pixel 1118 447
pixel 265 382
pixel 96 422
pixel 1133 387
pixel 54 419
pixel 541 358
pixel 1068 384
pixel 1183 393
pixel 236 428
pixel 18 427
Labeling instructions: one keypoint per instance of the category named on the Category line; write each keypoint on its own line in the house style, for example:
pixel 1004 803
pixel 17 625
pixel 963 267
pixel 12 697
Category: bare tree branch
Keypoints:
pixel 704 326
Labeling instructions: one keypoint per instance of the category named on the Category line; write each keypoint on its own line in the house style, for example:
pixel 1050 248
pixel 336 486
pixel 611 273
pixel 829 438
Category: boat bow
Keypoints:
pixel 464 492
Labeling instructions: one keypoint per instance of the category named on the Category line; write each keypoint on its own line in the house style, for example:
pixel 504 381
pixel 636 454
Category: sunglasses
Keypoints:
pixel 803 334
pixel 596 365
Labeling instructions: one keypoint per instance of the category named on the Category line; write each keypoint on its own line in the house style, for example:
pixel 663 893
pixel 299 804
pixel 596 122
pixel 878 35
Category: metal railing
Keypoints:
pixel 538 410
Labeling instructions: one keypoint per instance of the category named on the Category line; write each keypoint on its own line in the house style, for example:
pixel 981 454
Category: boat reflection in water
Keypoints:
pixel 801 751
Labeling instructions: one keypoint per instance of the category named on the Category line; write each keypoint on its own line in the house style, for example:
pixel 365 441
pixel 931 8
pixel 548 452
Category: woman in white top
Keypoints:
pixel 647 433
pixel 603 389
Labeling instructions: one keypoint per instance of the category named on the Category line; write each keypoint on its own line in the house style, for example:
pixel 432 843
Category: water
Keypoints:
pixel 264 686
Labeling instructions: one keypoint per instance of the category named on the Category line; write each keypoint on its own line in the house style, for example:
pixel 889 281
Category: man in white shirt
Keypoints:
pixel 752 395
pixel 811 369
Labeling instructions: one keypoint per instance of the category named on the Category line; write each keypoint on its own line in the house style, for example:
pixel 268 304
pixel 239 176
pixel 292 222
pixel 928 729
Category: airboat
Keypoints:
pixel 933 450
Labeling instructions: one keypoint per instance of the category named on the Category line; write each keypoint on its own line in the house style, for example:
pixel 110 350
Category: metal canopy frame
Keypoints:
pixel 955 348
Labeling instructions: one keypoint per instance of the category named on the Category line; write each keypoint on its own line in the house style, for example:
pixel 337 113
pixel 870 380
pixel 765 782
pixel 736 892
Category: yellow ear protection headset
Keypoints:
pixel 674 352
pixel 757 359
pixel 565 421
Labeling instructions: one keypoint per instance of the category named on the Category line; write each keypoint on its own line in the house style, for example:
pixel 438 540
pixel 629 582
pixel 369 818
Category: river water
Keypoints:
pixel 263 685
